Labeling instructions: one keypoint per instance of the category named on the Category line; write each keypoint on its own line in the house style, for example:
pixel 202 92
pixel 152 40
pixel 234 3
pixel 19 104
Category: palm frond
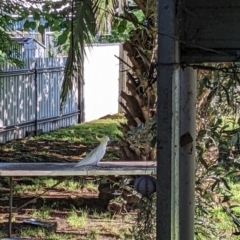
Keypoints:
pixel 104 12
pixel 83 29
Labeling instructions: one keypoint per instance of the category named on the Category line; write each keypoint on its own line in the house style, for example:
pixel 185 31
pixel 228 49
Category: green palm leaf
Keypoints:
pixel 83 29
pixel 105 11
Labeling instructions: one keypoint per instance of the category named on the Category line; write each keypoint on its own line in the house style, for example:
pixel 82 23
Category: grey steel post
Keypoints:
pixel 187 152
pixel 168 123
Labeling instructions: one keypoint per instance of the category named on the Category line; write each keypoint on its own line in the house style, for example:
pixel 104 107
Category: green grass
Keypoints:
pixel 220 219
pixel 90 187
pixel 37 233
pixel 1 235
pixel 77 220
pixel 22 189
pixel 42 213
pixel 230 122
pixel 39 184
pixel 83 133
pixel 42 234
pixel 61 145
pixel 93 234
pixel 235 189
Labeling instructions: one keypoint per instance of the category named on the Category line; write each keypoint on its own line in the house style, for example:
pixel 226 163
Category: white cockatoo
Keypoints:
pixel 96 155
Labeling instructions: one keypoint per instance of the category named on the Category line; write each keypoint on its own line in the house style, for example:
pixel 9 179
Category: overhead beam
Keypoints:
pixel 209 31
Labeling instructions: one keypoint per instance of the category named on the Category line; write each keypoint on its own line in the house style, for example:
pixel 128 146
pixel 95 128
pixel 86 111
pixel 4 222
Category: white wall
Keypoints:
pixel 101 75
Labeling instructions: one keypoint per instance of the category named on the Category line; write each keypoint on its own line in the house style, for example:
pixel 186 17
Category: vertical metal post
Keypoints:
pixel 10 207
pixel 187 152
pixel 81 116
pixel 36 99
pixel 168 123
pixel 82 80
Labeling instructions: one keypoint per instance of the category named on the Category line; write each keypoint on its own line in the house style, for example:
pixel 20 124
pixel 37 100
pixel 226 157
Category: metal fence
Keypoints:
pixel 30 99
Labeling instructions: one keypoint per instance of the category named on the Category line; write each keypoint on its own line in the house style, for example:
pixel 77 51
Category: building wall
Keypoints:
pixel 101 77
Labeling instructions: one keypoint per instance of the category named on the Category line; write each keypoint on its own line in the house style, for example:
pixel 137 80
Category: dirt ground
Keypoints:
pixel 63 201
pixel 59 201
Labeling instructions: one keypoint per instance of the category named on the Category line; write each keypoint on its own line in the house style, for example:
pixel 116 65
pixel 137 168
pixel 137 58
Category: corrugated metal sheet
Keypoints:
pixel 17 99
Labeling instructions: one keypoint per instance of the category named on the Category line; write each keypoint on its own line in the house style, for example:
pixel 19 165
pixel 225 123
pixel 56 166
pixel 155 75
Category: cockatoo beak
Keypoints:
pixel 102 139
pixel 99 139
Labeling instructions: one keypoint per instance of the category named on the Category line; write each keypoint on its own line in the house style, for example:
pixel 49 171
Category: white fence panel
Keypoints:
pixel 18 99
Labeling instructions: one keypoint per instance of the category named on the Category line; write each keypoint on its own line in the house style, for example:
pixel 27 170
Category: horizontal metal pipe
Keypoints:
pixel 57 118
pixel 50 70
pixel 14 127
pixel 40 121
pixel 16 73
pixel 27 71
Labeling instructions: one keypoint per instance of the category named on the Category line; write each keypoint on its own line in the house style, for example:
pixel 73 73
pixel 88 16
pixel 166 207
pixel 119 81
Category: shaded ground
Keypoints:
pixel 48 151
pixel 68 144
pixel 60 205
pixel 66 204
